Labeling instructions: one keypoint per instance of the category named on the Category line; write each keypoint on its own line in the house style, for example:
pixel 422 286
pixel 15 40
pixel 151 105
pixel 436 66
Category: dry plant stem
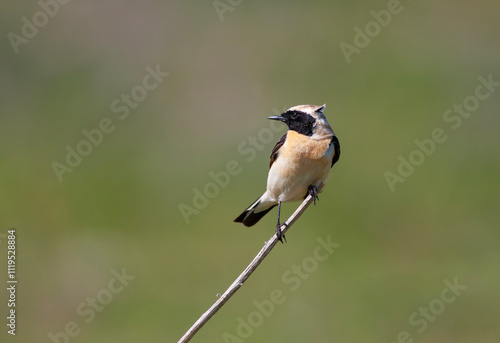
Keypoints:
pixel 268 246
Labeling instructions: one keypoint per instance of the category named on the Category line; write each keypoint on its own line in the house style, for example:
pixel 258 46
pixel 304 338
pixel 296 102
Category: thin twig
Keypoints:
pixel 268 246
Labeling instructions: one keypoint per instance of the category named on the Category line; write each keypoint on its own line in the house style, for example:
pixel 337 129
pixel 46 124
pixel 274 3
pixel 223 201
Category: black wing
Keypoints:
pixel 274 154
pixel 336 149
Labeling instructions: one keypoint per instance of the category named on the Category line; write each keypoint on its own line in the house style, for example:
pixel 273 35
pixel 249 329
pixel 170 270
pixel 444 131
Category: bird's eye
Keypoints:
pixel 294 115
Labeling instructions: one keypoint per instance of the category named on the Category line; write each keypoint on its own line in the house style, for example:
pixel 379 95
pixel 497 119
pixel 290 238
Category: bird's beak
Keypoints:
pixel 276 118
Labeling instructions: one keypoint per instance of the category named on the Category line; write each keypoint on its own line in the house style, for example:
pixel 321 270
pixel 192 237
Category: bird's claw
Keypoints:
pixel 279 234
pixel 313 191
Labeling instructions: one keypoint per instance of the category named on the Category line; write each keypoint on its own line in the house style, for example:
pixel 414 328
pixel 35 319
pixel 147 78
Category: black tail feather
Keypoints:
pixel 250 218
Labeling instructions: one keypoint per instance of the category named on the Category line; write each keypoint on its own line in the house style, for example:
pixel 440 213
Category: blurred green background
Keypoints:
pixel 119 208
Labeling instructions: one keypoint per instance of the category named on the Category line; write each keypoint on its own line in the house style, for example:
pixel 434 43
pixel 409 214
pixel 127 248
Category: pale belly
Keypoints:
pixel 289 178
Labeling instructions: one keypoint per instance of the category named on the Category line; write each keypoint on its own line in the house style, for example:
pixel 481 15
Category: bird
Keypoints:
pixel 301 158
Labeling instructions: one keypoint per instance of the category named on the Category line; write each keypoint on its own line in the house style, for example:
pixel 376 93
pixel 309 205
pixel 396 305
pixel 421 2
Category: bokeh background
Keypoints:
pixel 119 208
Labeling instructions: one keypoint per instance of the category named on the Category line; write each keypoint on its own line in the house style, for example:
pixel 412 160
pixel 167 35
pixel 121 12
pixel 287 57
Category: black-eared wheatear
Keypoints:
pixel 301 158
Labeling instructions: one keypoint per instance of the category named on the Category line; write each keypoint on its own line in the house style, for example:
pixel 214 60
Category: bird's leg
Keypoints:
pixel 313 191
pixel 278 225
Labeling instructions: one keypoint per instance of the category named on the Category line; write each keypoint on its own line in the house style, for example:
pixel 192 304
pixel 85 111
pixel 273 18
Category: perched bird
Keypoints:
pixel 301 158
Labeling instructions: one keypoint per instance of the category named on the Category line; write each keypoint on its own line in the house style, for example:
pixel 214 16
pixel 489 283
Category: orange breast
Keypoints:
pixel 303 147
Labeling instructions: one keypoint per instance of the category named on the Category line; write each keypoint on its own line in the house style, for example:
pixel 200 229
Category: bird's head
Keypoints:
pixel 308 120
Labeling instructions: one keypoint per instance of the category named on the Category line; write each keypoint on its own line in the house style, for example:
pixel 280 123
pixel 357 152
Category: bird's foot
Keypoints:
pixel 313 191
pixel 279 234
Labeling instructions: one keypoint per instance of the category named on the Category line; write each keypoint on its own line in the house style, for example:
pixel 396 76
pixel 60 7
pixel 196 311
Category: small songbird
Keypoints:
pixel 301 158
